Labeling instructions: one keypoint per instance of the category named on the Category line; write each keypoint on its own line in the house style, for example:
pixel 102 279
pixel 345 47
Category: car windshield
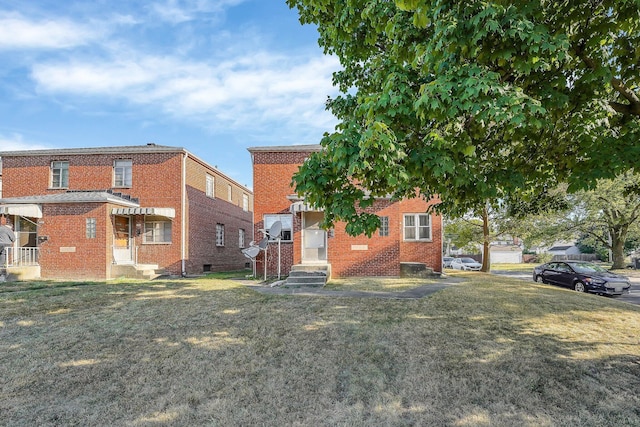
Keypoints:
pixel 588 268
pixel 468 260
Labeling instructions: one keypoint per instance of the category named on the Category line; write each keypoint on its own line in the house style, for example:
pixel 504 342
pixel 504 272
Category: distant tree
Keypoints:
pixel 605 218
pixel 474 101
pixel 610 213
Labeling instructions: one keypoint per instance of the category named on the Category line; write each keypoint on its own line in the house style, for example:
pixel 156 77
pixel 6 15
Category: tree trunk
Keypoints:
pixel 486 253
pixel 617 250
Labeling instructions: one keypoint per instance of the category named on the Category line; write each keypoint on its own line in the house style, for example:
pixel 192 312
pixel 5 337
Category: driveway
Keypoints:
pixel 632 297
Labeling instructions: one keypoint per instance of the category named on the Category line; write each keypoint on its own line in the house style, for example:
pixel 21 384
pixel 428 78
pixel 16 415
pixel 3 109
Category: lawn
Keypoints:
pixel 491 351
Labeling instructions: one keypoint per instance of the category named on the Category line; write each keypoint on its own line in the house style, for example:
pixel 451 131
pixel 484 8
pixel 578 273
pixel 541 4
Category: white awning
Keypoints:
pixel 28 210
pixel 166 212
pixel 301 206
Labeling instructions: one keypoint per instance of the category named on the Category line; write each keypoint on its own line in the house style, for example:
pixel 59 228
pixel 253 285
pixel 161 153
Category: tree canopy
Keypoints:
pixel 475 101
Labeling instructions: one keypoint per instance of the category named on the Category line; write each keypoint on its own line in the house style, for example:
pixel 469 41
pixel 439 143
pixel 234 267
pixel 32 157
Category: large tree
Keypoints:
pixel 476 101
pixel 607 216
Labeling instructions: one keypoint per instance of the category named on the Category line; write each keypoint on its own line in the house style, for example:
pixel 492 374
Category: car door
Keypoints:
pixel 550 274
pixel 565 275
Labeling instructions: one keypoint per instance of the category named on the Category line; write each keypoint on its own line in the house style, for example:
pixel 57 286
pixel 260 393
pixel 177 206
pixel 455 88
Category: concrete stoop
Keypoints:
pixel 307 276
pixel 138 271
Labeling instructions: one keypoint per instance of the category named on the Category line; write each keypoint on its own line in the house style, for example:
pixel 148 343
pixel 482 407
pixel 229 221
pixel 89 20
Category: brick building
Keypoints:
pixel 101 213
pixel 408 234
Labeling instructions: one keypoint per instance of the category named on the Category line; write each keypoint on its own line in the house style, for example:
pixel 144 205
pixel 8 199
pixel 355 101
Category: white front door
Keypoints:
pixel 314 238
pixel 122 247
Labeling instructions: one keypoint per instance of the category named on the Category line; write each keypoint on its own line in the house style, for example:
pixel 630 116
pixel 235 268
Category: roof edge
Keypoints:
pixel 148 148
pixel 285 148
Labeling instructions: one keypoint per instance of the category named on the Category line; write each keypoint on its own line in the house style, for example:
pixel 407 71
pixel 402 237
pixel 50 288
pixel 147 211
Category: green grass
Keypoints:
pixel 489 352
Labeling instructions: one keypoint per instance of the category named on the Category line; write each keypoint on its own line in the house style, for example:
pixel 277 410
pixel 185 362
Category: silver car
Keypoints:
pixel 465 264
pixel 446 261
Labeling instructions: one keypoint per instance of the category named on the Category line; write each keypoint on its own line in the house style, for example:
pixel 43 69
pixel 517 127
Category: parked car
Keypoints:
pixel 583 277
pixel 446 262
pixel 465 264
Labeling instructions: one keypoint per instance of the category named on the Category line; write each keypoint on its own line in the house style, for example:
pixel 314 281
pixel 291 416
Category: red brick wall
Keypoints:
pixel 67 252
pixel 156 182
pixel 348 256
pixel 205 212
pixel 428 253
pixel 272 173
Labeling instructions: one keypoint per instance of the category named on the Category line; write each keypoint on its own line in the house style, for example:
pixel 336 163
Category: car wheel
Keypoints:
pixel 539 279
pixel 579 287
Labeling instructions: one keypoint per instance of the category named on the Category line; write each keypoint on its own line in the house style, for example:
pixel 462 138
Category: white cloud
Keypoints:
pixel 16 142
pixel 18 32
pixel 178 11
pixel 243 90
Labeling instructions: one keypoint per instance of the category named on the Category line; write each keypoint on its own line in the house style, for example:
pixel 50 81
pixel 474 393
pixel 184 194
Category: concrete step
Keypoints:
pixel 307 276
pixel 138 271
pixel 311 267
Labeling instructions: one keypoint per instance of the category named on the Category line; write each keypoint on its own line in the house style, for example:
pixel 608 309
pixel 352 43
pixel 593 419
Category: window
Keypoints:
pixel 417 227
pixel 384 226
pixel 287 225
pixel 245 202
pixel 241 238
pixel 210 186
pixel 122 173
pixel 219 234
pixel 59 174
pixel 230 193
pixel 157 230
pixel 91 228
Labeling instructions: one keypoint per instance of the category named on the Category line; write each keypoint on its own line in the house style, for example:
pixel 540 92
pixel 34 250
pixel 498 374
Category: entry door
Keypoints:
pixel 122 240
pixel 314 238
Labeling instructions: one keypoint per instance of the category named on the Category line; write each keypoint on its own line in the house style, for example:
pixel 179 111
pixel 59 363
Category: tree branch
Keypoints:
pixel 633 107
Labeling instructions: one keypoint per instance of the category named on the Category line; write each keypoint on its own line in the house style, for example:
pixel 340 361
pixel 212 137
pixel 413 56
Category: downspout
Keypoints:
pixel 183 216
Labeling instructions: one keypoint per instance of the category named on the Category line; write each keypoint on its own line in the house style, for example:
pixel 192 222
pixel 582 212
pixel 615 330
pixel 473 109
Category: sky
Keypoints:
pixel 212 76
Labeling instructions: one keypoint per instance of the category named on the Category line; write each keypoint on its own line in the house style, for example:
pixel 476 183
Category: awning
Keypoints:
pixel 166 212
pixel 28 210
pixel 301 206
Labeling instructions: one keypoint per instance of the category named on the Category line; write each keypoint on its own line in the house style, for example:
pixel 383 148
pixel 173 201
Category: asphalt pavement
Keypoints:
pixel 632 297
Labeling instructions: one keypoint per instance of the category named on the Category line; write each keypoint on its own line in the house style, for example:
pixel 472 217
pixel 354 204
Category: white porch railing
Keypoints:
pixel 19 257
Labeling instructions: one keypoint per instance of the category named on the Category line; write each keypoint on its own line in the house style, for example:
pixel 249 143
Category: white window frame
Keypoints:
pixel 287 225
pixel 412 227
pixel 60 169
pixel 90 228
pixel 241 238
pixel 384 227
pixel 210 186
pixel 245 202
pixel 219 235
pixel 157 231
pixel 122 173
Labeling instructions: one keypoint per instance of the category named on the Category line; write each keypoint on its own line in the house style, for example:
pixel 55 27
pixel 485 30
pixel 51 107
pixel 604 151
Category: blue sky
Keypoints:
pixel 212 76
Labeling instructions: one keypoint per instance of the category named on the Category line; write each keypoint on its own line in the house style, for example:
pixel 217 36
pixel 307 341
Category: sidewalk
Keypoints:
pixel 415 293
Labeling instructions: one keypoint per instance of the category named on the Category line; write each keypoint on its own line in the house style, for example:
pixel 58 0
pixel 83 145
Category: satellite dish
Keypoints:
pixel 263 243
pixel 251 252
pixel 274 231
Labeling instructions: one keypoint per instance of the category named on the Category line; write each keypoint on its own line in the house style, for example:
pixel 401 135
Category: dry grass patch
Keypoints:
pixel 523 268
pixel 377 284
pixel 490 352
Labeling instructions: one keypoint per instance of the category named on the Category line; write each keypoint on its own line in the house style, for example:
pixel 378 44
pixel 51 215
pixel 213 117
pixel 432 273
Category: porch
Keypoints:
pixel 22 263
